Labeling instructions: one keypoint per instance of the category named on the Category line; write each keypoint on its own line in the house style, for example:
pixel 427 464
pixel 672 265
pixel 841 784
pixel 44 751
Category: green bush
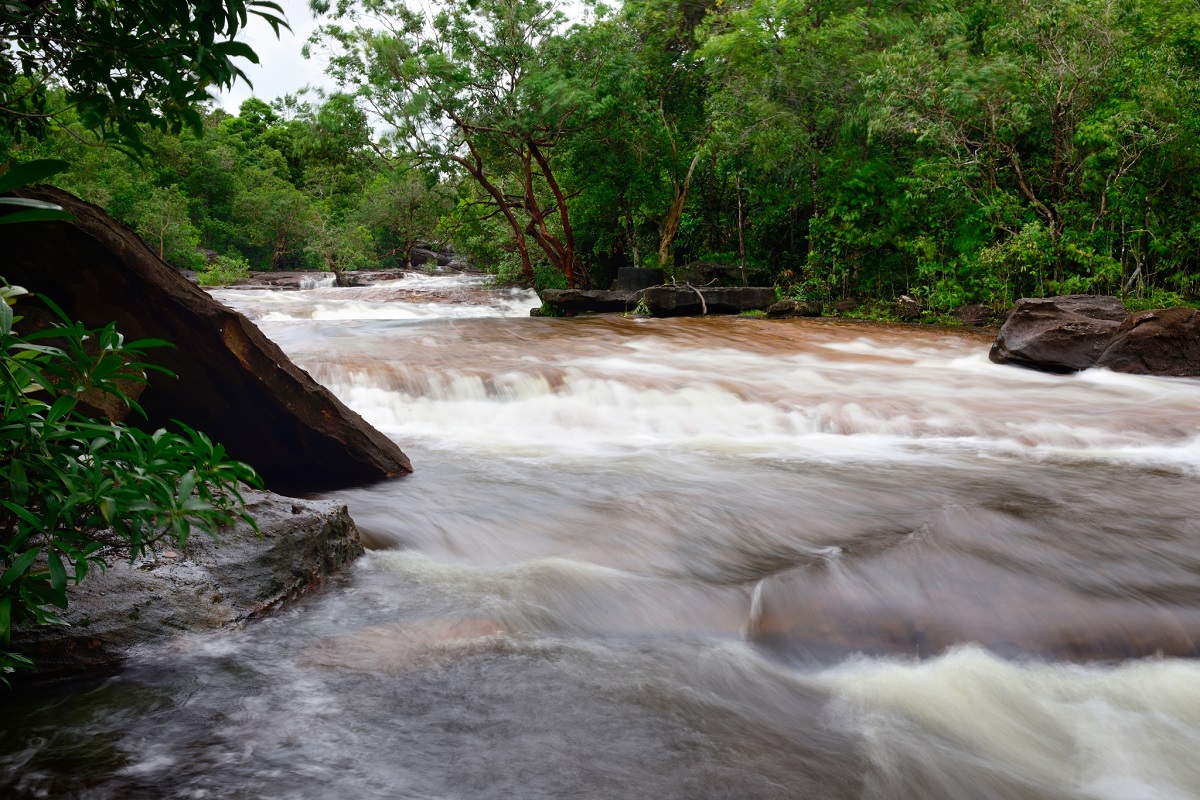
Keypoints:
pixel 73 489
pixel 223 271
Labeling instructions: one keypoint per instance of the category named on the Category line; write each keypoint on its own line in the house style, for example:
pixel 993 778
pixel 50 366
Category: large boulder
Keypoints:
pixel 204 586
pixel 685 301
pixel 1160 342
pixel 1058 334
pixel 230 380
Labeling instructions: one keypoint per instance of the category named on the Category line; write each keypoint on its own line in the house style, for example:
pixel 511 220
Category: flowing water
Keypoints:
pixel 691 558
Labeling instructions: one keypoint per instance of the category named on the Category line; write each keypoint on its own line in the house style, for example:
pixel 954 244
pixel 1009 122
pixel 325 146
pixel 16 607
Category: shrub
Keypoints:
pixel 73 488
pixel 223 271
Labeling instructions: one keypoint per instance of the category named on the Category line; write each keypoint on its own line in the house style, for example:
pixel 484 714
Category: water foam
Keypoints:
pixel 1130 731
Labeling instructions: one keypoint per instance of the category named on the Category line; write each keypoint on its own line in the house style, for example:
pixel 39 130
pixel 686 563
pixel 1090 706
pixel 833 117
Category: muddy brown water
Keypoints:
pixel 691 558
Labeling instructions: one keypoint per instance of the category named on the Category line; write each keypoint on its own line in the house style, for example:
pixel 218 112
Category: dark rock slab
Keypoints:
pixel 231 381
pixel 576 301
pixel 1159 342
pixel 1058 334
pixel 418 256
pixel 845 305
pixel 631 279
pixel 685 301
pixel 205 586
pixel 787 309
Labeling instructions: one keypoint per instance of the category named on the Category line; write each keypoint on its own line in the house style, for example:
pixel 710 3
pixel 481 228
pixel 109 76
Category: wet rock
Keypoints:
pixel 577 301
pixel 1058 334
pixel 845 306
pixel 787 309
pixel 684 301
pixel 1160 342
pixel 284 279
pixel 230 380
pixel 908 308
pixel 974 315
pixel 205 586
pixel 419 256
pixel 631 279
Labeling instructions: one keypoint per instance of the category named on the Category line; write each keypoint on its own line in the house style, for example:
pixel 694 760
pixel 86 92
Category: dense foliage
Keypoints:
pixel 956 150
pixel 119 66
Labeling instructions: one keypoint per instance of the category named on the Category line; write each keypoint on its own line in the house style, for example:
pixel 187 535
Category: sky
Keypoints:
pixel 281 68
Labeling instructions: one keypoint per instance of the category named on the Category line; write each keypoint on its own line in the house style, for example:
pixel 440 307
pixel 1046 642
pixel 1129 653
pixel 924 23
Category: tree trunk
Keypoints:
pixel 675 215
pixel 737 180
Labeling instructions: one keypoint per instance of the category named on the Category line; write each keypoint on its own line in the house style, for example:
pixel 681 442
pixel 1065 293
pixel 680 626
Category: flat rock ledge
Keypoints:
pixel 206 586
pixel 662 301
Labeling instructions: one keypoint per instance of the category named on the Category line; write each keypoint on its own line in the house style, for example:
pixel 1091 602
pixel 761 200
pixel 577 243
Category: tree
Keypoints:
pixel 1041 111
pixel 488 87
pixel 127 65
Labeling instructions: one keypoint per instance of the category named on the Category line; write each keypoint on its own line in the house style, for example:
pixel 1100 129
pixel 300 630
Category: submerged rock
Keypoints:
pixel 787 309
pixel 1058 334
pixel 231 381
pixel 204 586
pixel 1159 342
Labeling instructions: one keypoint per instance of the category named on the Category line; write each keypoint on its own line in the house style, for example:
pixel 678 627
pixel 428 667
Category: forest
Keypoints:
pixel 958 151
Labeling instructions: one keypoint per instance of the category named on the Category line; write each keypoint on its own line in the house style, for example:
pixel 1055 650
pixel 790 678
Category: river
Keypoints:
pixel 691 558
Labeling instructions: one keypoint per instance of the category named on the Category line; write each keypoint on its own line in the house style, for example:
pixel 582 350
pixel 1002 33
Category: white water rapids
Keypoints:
pixel 691 558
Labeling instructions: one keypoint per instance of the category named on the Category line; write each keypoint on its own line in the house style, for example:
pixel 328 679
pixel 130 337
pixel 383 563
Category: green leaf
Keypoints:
pixel 108 509
pixel 58 576
pixel 5 620
pixel 19 567
pixel 24 202
pixel 61 407
pixel 30 172
pixel 34 216
pixel 18 483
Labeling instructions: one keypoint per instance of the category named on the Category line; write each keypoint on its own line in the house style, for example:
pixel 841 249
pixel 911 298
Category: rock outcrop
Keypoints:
pixel 230 380
pixel 1160 342
pixel 579 301
pixel 204 586
pixel 662 301
pixel 1058 334
pixel 684 301
pixel 787 309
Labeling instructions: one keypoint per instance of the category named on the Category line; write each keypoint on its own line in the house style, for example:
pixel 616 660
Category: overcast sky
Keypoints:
pixel 281 68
